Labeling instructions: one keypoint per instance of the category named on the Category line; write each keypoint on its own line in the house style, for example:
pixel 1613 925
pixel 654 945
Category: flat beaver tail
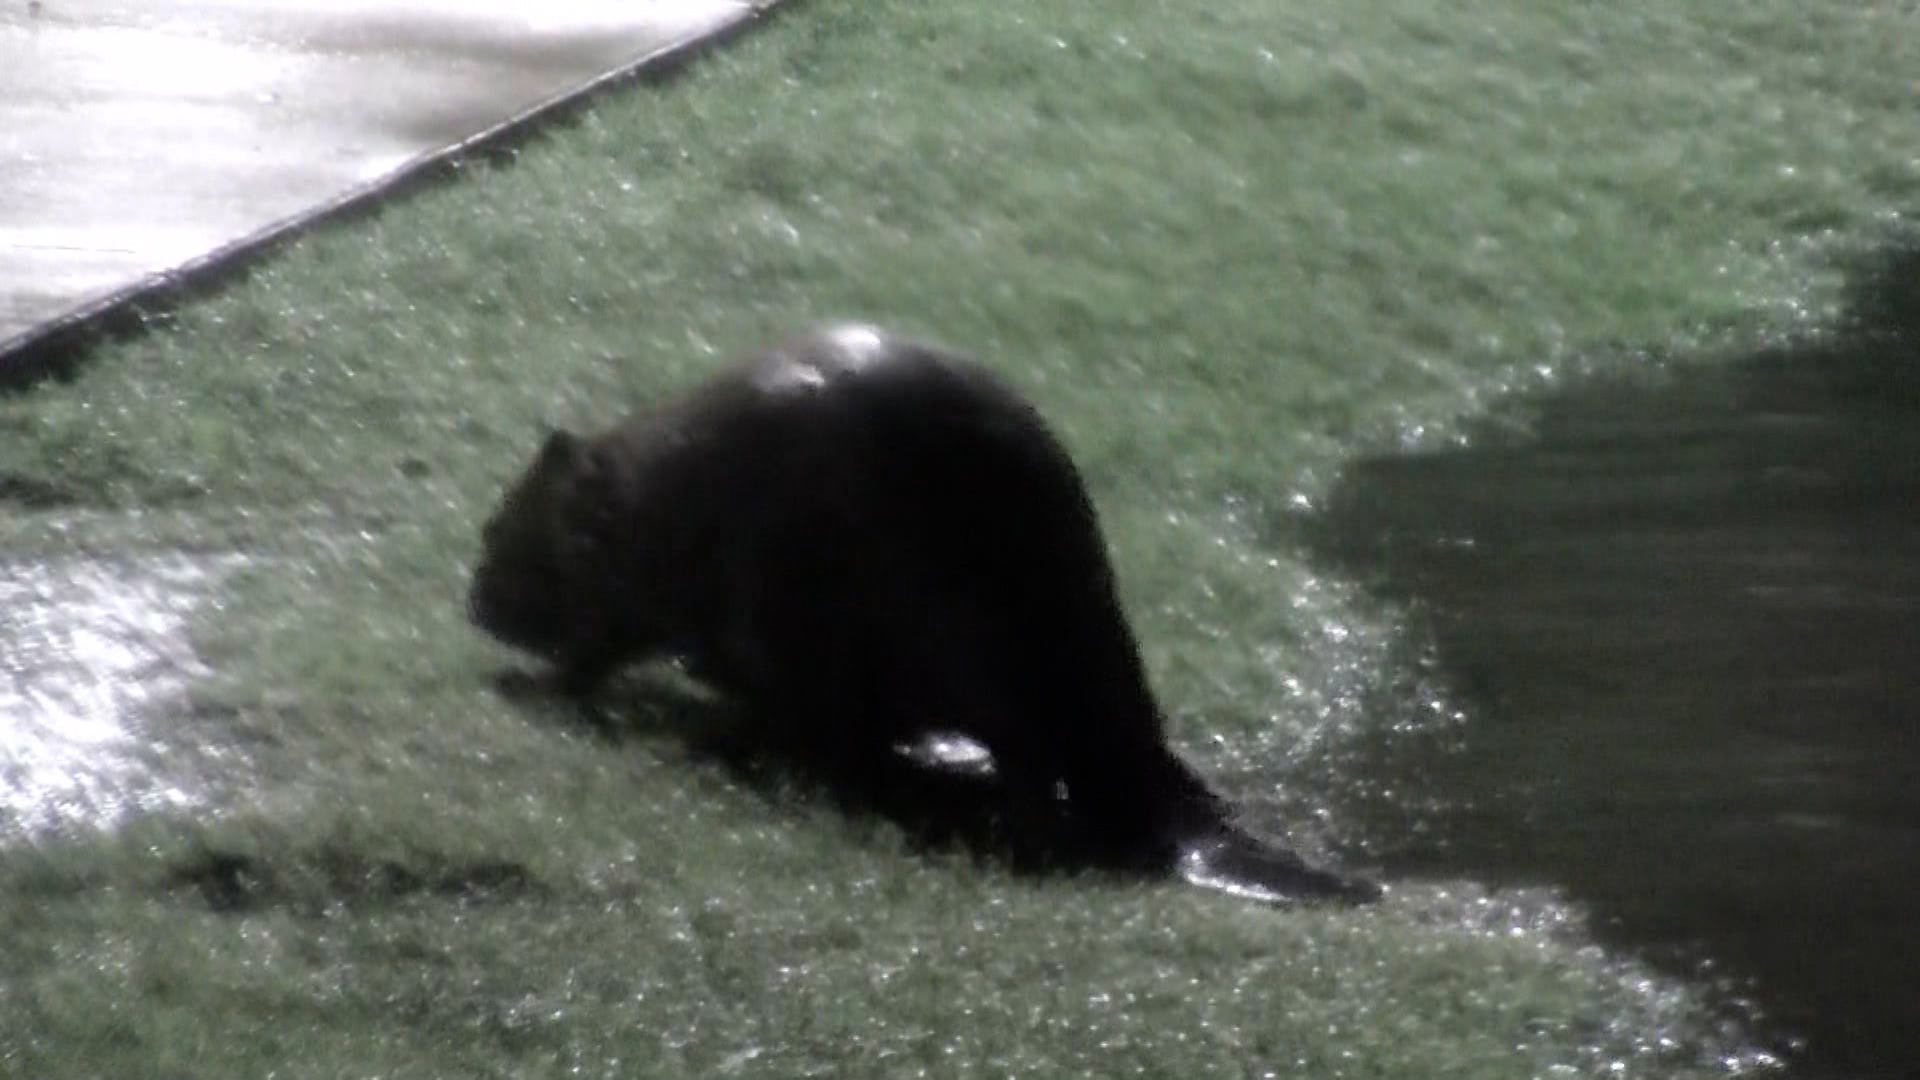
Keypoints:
pixel 1189 831
pixel 1242 865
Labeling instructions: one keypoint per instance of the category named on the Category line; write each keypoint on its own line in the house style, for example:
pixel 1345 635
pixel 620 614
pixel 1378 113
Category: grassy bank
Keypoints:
pixel 1220 248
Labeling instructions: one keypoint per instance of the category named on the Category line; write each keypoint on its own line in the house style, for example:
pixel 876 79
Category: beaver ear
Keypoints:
pixel 562 449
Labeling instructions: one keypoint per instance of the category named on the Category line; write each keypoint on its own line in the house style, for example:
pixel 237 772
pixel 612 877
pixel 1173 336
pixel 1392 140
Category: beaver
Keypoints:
pixel 879 540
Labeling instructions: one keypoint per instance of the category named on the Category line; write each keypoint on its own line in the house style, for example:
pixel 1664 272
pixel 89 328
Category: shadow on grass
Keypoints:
pixel 938 807
pixel 941 802
pixel 1683 615
pixel 232 882
pixel 943 793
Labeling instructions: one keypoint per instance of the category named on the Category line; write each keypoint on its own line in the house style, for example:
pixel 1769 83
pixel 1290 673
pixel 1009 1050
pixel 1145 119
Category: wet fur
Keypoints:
pixel 879 539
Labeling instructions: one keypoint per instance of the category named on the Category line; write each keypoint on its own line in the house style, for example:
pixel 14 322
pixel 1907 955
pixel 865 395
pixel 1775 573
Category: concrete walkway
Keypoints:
pixel 145 142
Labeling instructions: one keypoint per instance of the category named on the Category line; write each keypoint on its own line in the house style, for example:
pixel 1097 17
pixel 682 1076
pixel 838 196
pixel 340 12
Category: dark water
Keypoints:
pixel 1682 613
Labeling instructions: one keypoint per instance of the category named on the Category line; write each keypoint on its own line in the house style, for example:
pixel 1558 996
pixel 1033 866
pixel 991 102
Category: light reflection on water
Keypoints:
pixel 86 649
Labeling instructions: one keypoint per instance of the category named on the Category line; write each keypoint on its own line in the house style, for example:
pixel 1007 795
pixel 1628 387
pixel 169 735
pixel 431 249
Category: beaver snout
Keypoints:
pixel 515 614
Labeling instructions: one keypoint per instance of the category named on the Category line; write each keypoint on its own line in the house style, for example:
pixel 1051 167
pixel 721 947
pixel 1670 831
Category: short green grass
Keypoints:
pixel 1220 245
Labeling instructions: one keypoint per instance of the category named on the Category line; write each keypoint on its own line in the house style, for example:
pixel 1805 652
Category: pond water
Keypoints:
pixel 1682 613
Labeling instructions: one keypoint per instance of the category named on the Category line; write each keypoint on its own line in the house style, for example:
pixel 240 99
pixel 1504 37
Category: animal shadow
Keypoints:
pixel 941 792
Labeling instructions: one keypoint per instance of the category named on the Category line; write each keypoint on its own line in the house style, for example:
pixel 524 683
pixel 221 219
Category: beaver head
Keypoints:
pixel 540 551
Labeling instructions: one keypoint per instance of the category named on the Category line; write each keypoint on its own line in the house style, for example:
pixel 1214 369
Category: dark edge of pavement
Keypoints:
pixel 58 348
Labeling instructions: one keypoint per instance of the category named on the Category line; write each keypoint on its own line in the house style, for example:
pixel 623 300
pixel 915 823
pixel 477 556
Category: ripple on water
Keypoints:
pixel 87 648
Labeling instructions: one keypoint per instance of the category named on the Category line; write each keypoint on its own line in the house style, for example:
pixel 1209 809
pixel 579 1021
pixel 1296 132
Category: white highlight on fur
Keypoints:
pixel 860 343
pixel 949 752
pixel 852 347
pixel 790 375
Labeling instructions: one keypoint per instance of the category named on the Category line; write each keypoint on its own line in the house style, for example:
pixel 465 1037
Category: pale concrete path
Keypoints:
pixel 137 136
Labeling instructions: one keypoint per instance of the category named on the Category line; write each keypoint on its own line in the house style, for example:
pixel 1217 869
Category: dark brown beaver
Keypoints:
pixel 876 539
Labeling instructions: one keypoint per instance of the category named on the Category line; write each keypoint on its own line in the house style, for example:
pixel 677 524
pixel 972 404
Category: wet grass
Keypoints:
pixel 1221 252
